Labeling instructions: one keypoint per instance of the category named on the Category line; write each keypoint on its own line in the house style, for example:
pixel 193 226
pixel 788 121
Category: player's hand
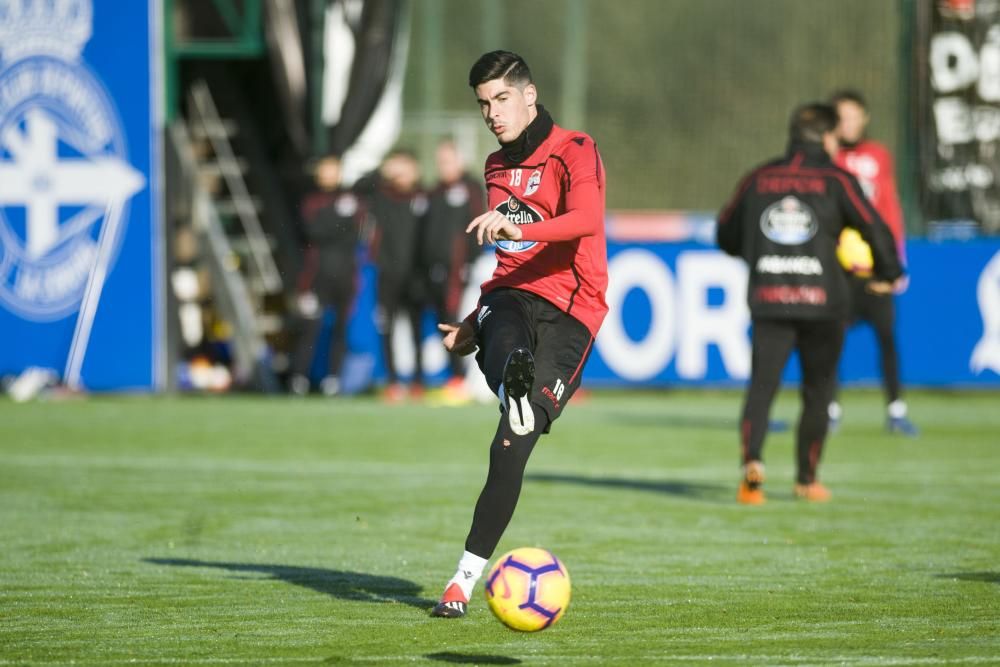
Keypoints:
pixel 458 338
pixel 879 287
pixel 901 284
pixel 492 226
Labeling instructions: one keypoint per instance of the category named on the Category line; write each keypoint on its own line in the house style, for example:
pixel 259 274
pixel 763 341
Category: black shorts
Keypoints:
pixel 560 344
pixel 335 290
pixel 878 309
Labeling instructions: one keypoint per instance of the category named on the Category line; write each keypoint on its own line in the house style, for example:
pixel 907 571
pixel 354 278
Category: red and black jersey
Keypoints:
pixel 398 218
pixel 332 226
pixel 871 163
pixel 784 221
pixel 557 193
pixel 450 208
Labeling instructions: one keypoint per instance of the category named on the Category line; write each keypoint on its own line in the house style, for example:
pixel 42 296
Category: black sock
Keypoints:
pixel 508 456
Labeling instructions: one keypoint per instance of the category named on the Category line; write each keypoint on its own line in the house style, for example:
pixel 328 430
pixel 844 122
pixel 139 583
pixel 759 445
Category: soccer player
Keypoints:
pixel 398 205
pixel 784 221
pixel 446 251
pixel 871 163
pixel 331 216
pixel 537 316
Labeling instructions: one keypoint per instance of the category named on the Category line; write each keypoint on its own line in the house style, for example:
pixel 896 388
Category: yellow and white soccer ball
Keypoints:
pixel 854 254
pixel 528 589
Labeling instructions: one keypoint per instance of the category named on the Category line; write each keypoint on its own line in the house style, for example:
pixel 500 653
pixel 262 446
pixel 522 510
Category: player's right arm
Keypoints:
pixel 493 226
pixel 458 337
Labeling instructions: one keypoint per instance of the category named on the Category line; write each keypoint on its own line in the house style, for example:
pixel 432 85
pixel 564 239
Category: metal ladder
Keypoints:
pixel 247 237
pixel 235 249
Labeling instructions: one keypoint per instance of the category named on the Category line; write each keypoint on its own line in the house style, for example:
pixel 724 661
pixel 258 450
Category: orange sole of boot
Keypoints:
pixel 813 493
pixel 747 496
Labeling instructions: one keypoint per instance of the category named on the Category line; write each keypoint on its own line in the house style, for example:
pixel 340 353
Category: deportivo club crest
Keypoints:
pixel 65 180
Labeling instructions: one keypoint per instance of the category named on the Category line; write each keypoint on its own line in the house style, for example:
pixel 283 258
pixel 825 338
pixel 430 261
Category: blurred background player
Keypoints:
pixel 331 218
pixel 398 205
pixel 538 315
pixel 446 251
pixel 784 221
pixel 872 164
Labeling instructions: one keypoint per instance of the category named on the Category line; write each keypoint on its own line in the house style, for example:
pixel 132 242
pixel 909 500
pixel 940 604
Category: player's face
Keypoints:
pixel 407 175
pixel 853 121
pixel 449 163
pixel 328 174
pixel 506 109
pixel 390 169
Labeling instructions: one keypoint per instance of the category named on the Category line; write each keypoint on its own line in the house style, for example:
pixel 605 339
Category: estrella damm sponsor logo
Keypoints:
pixel 65 179
pixel 789 221
pixel 520 214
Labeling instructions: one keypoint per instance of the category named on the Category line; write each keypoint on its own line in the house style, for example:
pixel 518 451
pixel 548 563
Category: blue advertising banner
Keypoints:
pixel 80 237
pixel 678 316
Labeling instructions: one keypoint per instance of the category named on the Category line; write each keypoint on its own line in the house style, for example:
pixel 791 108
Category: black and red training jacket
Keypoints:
pixel 784 221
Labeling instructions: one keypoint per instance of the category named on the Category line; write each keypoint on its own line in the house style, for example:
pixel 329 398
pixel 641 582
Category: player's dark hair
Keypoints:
pixel 402 151
pixel 849 95
pixel 311 164
pixel 811 121
pixel 500 65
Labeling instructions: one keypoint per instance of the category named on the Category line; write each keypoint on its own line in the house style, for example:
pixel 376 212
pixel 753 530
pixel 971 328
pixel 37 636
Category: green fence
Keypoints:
pixel 682 96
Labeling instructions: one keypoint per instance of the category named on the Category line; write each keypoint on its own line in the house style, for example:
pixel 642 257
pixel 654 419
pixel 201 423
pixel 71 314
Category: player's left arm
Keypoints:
pixel 583 184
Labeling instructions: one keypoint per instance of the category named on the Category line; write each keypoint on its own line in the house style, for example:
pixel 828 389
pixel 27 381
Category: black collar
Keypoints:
pixel 811 149
pixel 538 130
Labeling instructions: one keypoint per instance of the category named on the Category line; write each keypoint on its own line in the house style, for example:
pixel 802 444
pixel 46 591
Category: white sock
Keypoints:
pixel 897 409
pixel 470 568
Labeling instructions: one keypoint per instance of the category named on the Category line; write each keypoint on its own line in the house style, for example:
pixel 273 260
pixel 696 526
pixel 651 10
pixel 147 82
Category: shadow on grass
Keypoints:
pixel 472 659
pixel 690 422
pixel 354 586
pixel 667 420
pixel 986 577
pixel 714 493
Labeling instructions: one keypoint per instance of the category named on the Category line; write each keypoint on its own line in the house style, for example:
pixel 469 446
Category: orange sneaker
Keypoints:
pixel 394 393
pixel 455 383
pixel 814 493
pixel 751 491
pixel 454 392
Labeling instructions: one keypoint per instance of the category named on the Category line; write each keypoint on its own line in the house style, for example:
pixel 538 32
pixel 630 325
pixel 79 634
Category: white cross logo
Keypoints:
pixel 38 180
pixel 986 354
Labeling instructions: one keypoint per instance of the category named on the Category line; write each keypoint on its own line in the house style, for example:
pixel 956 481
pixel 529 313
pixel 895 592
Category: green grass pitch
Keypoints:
pixel 254 531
